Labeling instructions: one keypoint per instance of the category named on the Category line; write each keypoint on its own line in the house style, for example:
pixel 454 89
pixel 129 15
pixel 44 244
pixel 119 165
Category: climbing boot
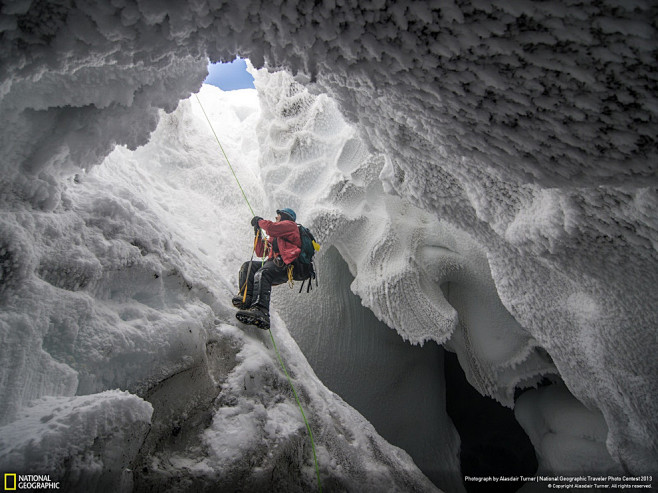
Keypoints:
pixel 239 304
pixel 255 315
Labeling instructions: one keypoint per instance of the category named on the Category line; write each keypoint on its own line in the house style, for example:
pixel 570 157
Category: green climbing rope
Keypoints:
pixel 225 156
pixel 278 355
pixel 308 427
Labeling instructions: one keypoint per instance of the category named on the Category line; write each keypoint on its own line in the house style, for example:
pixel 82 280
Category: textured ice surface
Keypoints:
pixel 528 127
pixel 432 280
pixel 83 442
pixel 127 285
pixel 256 439
pixel 566 436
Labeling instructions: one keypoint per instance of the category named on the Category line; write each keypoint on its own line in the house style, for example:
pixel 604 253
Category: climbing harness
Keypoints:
pixel 266 248
pixel 308 427
pixel 291 281
pixel 246 281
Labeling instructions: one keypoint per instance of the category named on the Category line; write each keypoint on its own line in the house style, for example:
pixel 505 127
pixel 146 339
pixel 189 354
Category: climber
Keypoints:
pixel 258 279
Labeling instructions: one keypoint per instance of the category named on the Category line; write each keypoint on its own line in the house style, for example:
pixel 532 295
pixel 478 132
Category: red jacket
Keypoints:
pixel 287 238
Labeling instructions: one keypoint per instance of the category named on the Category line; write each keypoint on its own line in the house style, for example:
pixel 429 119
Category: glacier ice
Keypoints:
pixel 491 188
pixel 83 442
pixel 126 292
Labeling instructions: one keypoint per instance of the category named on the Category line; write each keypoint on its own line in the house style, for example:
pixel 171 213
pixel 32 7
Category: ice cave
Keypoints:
pixel 481 175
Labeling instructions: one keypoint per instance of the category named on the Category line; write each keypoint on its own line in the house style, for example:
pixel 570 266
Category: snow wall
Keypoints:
pixel 509 151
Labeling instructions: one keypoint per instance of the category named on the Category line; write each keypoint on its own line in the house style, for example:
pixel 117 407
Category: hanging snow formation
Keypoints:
pixel 423 277
pixel 522 134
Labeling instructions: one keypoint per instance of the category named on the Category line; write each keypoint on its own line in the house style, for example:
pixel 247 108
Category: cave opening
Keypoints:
pixel 493 443
pixel 230 76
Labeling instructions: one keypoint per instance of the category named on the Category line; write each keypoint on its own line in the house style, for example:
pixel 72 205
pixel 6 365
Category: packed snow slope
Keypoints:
pixel 510 149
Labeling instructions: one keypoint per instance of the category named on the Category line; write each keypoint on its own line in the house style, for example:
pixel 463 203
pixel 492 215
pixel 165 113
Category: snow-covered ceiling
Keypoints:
pixel 531 125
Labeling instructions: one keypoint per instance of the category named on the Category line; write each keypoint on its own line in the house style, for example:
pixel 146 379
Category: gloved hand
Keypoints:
pixel 254 223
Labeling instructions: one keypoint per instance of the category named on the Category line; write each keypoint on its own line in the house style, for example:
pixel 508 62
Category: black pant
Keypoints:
pixel 262 277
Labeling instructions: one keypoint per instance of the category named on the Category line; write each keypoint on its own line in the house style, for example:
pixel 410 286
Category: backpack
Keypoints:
pixel 304 263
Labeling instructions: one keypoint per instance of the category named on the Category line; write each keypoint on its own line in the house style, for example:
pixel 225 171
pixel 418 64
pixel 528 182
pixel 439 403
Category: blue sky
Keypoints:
pixel 230 76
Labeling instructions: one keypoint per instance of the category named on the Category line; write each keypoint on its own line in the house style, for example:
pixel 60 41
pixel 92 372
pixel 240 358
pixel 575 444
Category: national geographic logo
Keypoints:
pixel 10 482
pixel 24 482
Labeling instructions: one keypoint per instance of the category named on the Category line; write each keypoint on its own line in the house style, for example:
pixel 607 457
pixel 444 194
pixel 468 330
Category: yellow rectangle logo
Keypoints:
pixel 10 481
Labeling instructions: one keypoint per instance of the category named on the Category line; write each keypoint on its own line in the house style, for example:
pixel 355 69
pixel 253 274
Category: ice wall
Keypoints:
pixel 112 289
pixel 427 280
pixel 567 436
pixel 129 288
pixel 532 128
pixel 399 388
pixel 529 126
